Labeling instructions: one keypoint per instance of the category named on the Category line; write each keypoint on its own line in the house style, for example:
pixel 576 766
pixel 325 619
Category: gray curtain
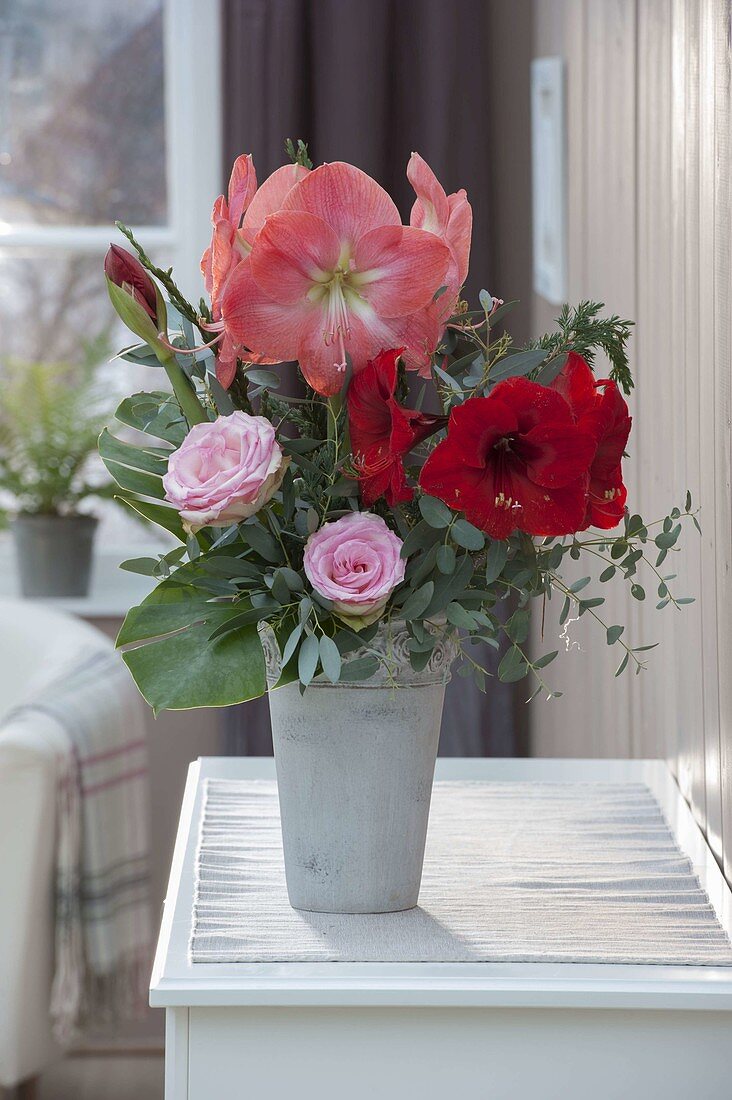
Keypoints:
pixel 369 81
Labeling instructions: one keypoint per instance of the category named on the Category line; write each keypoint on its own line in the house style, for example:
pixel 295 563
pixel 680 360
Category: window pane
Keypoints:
pixel 54 308
pixel 82 137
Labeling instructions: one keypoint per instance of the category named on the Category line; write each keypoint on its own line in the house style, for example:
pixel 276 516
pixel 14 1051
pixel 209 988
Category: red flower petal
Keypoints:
pixel 514 460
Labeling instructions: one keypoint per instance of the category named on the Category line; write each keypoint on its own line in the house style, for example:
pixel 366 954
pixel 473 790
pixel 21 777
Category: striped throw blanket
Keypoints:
pixel 103 928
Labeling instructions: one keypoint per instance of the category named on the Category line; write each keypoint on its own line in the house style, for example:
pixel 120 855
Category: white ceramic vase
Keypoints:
pixel 355 764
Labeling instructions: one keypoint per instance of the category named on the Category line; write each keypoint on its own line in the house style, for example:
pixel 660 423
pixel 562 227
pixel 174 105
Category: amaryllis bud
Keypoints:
pixel 125 270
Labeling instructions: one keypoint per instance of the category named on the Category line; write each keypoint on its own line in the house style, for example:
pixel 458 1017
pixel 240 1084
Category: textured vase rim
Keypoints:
pixel 395 672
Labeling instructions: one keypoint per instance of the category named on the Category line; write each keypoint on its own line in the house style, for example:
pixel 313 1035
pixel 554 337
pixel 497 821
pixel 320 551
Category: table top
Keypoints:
pixel 178 982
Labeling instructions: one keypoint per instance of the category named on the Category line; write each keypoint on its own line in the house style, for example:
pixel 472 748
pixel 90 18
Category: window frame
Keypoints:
pixel 191 32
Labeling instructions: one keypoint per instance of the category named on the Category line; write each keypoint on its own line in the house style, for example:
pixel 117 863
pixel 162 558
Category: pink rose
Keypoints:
pixel 355 563
pixel 224 471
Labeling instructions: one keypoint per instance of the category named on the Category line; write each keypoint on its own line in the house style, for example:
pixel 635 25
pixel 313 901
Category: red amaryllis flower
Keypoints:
pixel 599 409
pixel 514 460
pixel 383 431
pixel 125 270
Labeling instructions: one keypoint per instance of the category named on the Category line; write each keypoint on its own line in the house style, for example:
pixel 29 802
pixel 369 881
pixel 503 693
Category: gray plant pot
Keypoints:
pixel 54 554
pixel 355 764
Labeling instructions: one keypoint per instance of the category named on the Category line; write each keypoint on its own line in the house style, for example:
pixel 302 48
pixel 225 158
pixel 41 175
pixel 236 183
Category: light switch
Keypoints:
pixel 549 178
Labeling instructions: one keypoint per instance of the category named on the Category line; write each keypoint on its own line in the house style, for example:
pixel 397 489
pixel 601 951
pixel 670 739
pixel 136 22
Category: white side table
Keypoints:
pixel 355 1031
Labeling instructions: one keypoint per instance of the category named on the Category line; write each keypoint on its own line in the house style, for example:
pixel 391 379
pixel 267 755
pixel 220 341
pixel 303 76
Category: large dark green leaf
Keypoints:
pixel 166 518
pixel 154 460
pixel 136 481
pixel 186 670
pixel 182 608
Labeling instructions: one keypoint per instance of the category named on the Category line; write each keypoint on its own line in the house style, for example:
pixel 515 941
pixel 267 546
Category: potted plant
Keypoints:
pixel 51 415
pixel 342 549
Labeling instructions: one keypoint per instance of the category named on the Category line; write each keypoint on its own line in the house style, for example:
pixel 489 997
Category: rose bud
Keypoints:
pixel 125 270
pixel 356 563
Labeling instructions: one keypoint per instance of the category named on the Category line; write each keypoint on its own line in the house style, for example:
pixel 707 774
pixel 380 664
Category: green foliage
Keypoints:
pixel 50 417
pixel 196 635
pixel 580 329
pixel 298 153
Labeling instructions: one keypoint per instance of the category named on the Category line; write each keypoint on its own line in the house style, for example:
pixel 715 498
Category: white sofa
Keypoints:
pixel 35 642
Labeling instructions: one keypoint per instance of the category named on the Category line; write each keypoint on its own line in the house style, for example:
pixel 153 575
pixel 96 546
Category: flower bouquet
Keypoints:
pixel 343 543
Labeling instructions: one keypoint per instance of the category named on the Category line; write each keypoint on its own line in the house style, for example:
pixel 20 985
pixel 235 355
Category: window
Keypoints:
pixel 108 111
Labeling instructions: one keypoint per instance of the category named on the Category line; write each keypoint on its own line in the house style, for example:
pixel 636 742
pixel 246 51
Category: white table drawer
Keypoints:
pixel 434 1054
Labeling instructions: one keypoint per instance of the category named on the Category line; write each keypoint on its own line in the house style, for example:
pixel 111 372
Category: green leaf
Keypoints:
pixel 153 460
pixel 330 658
pixel 513 666
pixel 435 512
pixel 144 566
pixel 500 312
pixel 608 574
pixel 546 659
pixel 360 669
pixel 667 539
pixel 551 370
pixel 186 670
pixel 418 602
pixel 637 592
pixel 516 365
pixel 517 627
pixel 164 517
pixel 421 537
pixel 280 589
pixel 266 378
pixel 495 560
pixel 466 535
pixel 307 660
pixel 580 584
pixel 261 542
pixel 446 559
pixel 291 644
pixel 344 487
pixel 135 481
pixel 623 665
pixel 613 633
pixel 458 616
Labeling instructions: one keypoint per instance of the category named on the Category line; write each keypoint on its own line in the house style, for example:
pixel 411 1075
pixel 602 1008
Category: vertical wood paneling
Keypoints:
pixel 707 433
pixel 723 411
pixel 651 235
pixel 690 743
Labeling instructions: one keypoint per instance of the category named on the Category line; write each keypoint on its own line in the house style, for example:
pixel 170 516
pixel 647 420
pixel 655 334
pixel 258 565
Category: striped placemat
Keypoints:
pixel 514 872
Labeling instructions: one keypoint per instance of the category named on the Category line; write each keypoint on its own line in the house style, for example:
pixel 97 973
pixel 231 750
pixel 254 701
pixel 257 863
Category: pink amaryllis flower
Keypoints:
pixel 333 273
pixel 450 218
pixel 236 221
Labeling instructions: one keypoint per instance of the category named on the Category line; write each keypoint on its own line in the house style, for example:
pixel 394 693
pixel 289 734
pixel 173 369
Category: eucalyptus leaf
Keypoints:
pixel 434 512
pixel 330 658
pixel 466 535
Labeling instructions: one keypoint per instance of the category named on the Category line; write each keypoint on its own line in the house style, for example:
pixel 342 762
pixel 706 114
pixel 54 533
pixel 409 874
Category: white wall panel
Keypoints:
pixel 650 235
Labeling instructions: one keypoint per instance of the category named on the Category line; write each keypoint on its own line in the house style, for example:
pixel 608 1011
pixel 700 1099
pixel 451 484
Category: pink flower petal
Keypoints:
pixel 431 209
pixel 242 185
pixel 459 232
pixel 367 335
pixel 401 268
pixel 419 334
pixel 293 250
pixel 270 197
pixel 254 321
pixel 344 197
